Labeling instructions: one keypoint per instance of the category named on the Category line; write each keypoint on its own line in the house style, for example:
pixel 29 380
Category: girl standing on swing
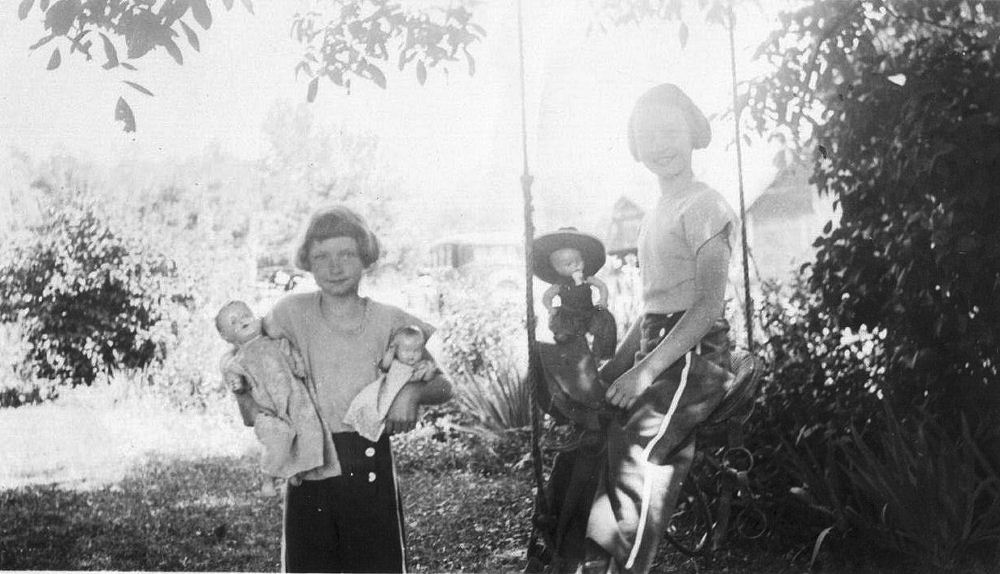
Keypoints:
pixel 673 369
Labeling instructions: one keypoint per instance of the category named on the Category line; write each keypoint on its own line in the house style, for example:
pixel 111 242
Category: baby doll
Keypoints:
pixel 369 408
pixel 286 424
pixel 568 260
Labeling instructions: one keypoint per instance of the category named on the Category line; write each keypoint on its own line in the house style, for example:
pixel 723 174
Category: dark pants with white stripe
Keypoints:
pixel 650 453
pixel 348 523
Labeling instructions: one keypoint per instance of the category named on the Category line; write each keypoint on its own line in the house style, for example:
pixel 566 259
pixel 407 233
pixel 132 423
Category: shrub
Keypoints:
pixel 87 296
pixel 821 377
pixel 828 437
pixel 441 444
pixel 900 104
pixel 819 381
pixel 483 344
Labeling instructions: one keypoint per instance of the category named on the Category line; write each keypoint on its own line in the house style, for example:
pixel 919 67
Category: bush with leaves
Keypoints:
pixel 820 380
pixel 484 349
pixel 901 101
pixel 834 454
pixel 87 296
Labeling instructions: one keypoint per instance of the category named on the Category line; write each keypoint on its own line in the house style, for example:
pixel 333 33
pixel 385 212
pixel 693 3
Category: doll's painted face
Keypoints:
pixel 567 261
pixel 237 324
pixel 663 140
pixel 409 347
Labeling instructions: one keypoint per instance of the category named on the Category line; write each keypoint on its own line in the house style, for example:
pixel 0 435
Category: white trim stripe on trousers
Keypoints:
pixel 647 484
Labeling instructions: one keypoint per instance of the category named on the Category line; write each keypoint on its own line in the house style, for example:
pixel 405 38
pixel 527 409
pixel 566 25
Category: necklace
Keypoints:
pixel 337 326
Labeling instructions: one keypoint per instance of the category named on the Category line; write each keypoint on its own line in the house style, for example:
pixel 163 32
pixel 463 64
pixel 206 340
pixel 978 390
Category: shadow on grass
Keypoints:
pixel 208 514
pixel 167 514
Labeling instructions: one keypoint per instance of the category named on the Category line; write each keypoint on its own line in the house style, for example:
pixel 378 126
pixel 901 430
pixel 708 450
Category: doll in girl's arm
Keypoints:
pixel 404 358
pixel 268 378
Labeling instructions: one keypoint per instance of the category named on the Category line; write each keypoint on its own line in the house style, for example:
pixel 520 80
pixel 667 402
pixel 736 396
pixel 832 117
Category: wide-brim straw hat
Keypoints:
pixel 544 246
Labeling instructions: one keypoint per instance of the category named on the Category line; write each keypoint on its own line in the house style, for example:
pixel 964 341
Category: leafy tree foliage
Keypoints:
pixel 349 40
pixel 611 13
pixel 87 296
pixel 354 36
pixel 901 100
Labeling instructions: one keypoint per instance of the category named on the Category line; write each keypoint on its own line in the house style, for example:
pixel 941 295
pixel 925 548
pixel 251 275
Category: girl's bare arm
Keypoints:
pixel 712 265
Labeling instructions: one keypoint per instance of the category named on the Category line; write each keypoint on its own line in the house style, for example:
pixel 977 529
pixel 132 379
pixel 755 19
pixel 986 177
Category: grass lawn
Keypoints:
pixel 88 486
pixel 208 514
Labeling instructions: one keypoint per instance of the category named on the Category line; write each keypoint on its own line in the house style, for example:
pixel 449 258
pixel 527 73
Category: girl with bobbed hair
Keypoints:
pixel 673 369
pixel 346 516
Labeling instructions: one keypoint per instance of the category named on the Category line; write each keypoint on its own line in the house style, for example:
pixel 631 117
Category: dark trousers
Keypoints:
pixel 348 523
pixel 650 447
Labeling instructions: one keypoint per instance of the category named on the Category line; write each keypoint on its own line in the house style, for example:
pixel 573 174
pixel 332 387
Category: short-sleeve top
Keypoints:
pixel 340 363
pixel 669 239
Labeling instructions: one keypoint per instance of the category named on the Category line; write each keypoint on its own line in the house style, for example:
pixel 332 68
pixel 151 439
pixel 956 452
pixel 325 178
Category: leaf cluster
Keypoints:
pixel 613 13
pixel 355 39
pixel 137 25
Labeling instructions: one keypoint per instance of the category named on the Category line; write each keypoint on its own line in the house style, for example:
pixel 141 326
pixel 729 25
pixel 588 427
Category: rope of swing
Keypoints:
pixel 540 503
pixel 748 302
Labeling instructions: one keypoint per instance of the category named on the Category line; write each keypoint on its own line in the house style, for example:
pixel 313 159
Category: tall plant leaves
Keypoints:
pixel 202 15
pixel 192 38
pixel 173 50
pixel 60 17
pixel 138 87
pixel 110 52
pixel 123 114
pixel 313 88
pixel 24 7
pixel 54 60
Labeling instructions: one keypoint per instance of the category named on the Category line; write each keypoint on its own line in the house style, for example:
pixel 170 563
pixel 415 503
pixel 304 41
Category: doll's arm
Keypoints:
pixel 548 296
pixel 236 381
pixel 624 357
pixel 602 291
pixel 387 357
pixel 232 374
pixel 248 408
pixel 427 386
pixel 298 364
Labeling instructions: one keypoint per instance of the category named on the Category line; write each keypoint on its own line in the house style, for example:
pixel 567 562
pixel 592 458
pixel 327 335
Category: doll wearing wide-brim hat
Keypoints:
pixel 569 260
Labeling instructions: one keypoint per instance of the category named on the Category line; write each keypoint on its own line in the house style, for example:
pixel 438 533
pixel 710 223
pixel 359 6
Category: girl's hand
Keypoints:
pixel 424 370
pixel 627 388
pixel 402 416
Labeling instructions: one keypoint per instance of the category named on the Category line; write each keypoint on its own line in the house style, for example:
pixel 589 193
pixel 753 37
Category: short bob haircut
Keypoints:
pixel 338 221
pixel 670 95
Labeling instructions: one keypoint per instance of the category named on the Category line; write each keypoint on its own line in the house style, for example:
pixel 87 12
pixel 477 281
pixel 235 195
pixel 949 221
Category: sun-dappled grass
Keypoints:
pixel 208 514
pixel 106 483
